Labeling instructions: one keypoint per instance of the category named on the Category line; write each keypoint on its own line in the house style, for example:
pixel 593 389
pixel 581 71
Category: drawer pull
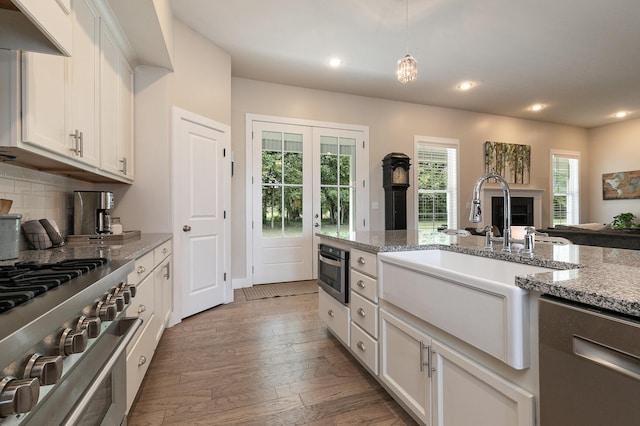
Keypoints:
pixel 330 312
pixel 361 312
pixel 361 260
pixel 141 269
pixel 142 360
pixel 361 346
pixel 164 250
pixel 361 284
pixel 141 308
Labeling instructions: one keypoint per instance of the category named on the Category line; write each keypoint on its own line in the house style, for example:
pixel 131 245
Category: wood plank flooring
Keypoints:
pixel 259 362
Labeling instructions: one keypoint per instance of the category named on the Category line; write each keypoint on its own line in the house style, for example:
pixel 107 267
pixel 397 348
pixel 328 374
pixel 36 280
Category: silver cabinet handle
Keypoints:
pixel 76 142
pixel 330 312
pixel 361 312
pixel 141 269
pixel 123 170
pixel 142 360
pixel 167 275
pixel 361 260
pixel 81 144
pixel 361 284
pixel 361 346
pixel 186 228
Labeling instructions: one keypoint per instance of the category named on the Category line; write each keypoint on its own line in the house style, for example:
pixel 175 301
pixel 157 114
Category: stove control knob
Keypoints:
pixel 132 289
pixel 91 325
pixel 123 292
pixel 116 300
pixel 18 396
pixel 48 369
pixel 106 311
pixel 72 341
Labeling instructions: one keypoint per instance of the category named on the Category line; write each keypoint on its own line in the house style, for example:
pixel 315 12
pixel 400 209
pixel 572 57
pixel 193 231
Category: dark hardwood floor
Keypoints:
pixel 260 362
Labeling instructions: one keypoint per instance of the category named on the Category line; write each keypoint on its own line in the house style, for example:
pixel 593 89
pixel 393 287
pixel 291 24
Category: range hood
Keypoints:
pixel 35 26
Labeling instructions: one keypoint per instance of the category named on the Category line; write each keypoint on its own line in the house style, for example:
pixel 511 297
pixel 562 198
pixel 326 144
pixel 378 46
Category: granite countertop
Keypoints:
pixel 607 278
pixel 126 250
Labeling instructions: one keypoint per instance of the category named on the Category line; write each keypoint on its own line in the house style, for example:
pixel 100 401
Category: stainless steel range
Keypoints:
pixel 63 337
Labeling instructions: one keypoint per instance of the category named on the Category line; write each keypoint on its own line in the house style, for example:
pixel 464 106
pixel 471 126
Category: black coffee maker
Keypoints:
pixel 92 212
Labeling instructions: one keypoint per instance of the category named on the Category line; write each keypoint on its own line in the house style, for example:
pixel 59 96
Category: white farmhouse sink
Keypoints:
pixel 471 297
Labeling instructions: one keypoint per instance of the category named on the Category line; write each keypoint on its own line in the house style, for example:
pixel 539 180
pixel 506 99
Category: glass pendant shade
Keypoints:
pixel 407 69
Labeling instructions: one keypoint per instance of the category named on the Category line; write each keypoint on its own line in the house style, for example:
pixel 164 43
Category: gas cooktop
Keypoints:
pixel 25 280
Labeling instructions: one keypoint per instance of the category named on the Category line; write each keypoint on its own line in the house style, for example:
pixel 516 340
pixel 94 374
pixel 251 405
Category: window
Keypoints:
pixel 565 188
pixel 436 180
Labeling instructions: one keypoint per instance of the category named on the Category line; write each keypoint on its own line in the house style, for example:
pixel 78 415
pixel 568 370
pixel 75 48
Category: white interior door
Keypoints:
pixel 202 170
pixel 282 200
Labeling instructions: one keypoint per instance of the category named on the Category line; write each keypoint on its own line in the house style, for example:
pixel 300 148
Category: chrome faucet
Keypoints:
pixel 475 215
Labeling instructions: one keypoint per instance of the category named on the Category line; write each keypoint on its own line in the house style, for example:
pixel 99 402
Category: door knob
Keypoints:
pixel 317 225
pixel 186 228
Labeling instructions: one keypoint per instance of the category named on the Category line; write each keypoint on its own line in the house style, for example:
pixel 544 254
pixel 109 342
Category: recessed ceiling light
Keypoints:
pixel 620 114
pixel 466 85
pixel 335 62
pixel 536 107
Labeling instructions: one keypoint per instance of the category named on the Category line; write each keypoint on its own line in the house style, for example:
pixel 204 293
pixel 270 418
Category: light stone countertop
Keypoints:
pixel 607 278
pixel 126 250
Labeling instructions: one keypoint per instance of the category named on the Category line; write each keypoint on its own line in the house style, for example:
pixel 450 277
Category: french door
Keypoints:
pixel 306 179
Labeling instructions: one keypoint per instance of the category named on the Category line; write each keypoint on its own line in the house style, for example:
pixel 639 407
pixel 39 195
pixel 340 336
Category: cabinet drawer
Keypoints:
pixel 335 315
pixel 161 252
pixel 365 348
pixel 365 314
pixel 144 265
pixel 143 304
pixel 363 262
pixel 364 285
pixel 138 360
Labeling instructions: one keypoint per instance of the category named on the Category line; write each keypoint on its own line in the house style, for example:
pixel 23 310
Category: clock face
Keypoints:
pixel 400 176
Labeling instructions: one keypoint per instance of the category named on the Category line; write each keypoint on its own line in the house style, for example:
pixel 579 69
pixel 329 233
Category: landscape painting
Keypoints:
pixel 509 160
pixel 621 185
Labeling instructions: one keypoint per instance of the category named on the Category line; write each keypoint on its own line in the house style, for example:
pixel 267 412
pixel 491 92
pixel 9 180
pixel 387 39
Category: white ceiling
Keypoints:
pixel 581 58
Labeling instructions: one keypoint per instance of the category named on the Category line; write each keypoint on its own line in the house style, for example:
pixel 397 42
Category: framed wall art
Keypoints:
pixel 509 160
pixel 621 185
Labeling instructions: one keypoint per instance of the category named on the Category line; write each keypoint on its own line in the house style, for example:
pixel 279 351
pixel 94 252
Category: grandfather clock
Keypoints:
pixel 395 181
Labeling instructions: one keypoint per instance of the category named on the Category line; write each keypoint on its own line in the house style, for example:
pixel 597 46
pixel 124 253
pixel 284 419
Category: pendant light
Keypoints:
pixel 408 66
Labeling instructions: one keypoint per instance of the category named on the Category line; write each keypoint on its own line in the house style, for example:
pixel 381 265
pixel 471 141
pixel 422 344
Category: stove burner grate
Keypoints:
pixel 25 280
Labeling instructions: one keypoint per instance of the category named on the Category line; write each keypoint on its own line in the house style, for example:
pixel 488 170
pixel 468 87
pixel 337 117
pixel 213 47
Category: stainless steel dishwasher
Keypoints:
pixel 589 366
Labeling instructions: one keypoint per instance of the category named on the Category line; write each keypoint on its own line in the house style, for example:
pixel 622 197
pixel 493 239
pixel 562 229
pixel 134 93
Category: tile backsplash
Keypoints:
pixel 38 195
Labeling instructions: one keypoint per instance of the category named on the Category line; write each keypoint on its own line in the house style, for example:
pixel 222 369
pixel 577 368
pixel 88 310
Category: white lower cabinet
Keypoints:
pixel 404 364
pixel 443 387
pixel 335 315
pixel 152 277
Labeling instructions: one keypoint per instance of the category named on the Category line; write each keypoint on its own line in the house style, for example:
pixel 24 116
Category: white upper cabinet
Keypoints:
pixel 85 64
pixel 116 109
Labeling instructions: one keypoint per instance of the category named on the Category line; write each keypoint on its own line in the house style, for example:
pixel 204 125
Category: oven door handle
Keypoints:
pixel 84 402
pixel 329 261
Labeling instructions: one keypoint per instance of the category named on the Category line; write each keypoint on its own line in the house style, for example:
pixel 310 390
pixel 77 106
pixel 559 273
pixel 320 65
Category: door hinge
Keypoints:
pixel 224 278
pixel 363 144
pixel 364 222
pixel 224 214
pixel 364 183
pixel 224 152
pixel 251 224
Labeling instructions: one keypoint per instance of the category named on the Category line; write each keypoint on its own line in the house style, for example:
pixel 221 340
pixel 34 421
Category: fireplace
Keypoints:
pixel 533 215
pixel 521 211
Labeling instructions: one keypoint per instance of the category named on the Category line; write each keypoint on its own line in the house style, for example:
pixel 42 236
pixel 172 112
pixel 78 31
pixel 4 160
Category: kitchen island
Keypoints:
pixel 452 353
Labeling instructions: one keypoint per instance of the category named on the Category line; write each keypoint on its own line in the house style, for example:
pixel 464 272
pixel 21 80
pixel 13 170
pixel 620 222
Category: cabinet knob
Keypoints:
pixel 330 312
pixel 18 396
pixel 141 308
pixel 361 312
pixel 141 269
pixel 47 369
pixel 142 360
pixel 360 284
pixel 186 228
pixel 361 260
pixel 361 346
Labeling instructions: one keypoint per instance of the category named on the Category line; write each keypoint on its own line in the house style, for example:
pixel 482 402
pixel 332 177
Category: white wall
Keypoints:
pixel 392 126
pixel 612 148
pixel 200 83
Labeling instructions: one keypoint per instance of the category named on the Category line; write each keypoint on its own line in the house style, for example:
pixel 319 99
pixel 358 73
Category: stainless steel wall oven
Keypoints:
pixel 333 272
